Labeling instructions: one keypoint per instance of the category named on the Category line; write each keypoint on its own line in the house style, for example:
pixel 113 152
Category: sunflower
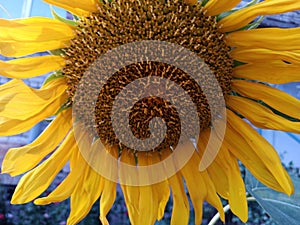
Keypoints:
pixel 244 60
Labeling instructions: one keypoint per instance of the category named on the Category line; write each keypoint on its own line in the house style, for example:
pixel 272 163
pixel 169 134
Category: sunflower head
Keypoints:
pixel 128 74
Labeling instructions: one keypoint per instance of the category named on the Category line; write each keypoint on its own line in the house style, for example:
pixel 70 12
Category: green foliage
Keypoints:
pixel 282 208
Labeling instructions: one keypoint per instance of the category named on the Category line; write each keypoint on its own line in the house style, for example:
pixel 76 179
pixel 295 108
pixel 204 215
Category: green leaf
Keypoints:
pixel 282 208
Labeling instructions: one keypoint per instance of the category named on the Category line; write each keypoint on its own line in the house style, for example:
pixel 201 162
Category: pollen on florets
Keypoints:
pixel 121 22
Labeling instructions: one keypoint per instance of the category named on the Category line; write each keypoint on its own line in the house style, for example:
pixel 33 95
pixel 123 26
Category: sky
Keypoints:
pixel 10 9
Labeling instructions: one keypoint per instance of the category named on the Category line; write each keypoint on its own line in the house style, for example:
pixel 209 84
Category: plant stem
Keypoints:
pixel 226 208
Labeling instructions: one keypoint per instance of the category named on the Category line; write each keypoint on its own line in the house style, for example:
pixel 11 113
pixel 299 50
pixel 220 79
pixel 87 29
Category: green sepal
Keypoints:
pixel 49 119
pixel 58 52
pixel 64 106
pixel 204 2
pixel 225 14
pixel 238 63
pixel 254 25
pixel 53 76
pixel 64 20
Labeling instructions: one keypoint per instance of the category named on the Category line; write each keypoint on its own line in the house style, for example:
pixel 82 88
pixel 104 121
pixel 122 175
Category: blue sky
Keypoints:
pixel 17 8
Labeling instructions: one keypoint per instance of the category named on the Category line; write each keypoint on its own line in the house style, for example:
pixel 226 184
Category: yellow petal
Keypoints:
pixel 196 187
pixel 16 95
pixel 192 2
pixel 86 193
pixel 281 39
pixel 20 160
pixel 181 208
pixel 220 178
pixel 162 191
pixel 256 55
pixel 67 186
pixel 148 206
pixel 261 116
pixel 216 172
pixel 276 72
pixel 273 97
pixel 256 154
pixel 211 197
pixel 235 185
pixel 131 196
pixel 131 193
pixel 108 195
pixel 244 16
pixel 237 192
pixel 77 7
pixel 30 67
pixel 27 36
pixel 148 198
pixel 145 204
pixel 37 180
pixel 10 126
pixel 216 7
pixel 107 199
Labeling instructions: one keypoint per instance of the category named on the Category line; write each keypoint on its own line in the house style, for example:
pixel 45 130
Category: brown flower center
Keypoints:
pixel 121 22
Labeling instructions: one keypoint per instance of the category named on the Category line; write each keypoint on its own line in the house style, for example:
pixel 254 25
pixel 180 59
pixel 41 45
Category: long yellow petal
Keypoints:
pixel 16 95
pixel 77 7
pixel 216 7
pixel 10 126
pixel 30 67
pixel 220 178
pixel 108 195
pixel 20 160
pixel 273 97
pixel 67 186
pixel 256 55
pixel 37 180
pixel 212 197
pixel 196 186
pixel 276 72
pixel 75 177
pixel 261 116
pixel 148 206
pixel 192 2
pixel 181 208
pixel 131 196
pixel 107 199
pixel 148 196
pixel 235 188
pixel 162 191
pixel 256 154
pixel 85 194
pixel 131 193
pixel 145 204
pixel 237 192
pixel 27 36
pixel 244 16
pixel 281 39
